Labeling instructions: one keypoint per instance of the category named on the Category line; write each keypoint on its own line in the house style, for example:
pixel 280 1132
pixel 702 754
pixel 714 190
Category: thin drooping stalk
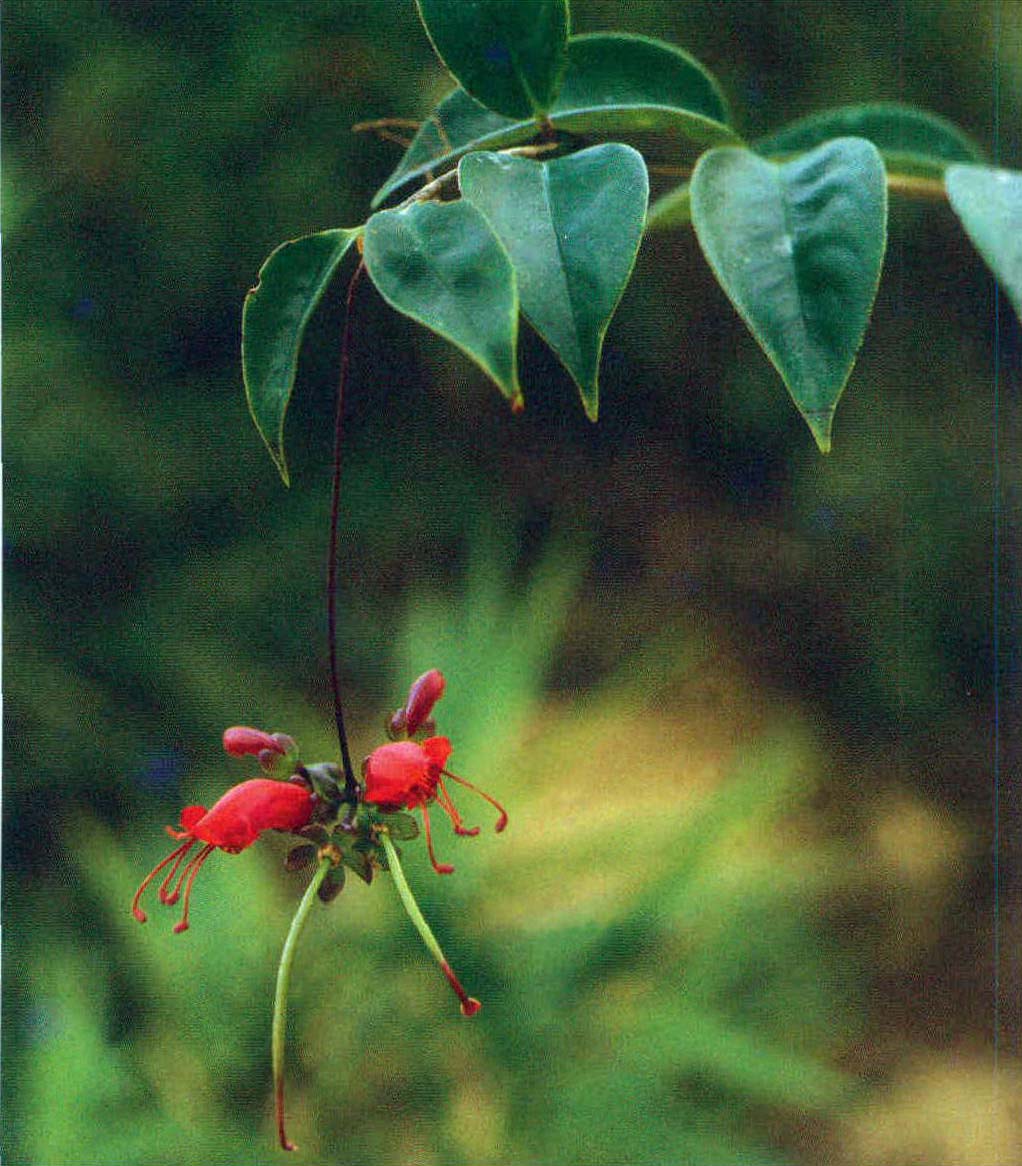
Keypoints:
pixel 287 959
pixel 350 784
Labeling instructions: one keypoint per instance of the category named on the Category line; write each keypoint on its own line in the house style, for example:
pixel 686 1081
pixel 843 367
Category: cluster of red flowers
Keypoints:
pixel 405 774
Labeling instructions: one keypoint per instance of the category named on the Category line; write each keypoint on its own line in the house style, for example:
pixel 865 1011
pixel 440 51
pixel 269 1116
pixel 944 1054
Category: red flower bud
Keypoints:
pixel 422 696
pixel 409 775
pixel 232 824
pixel 241 741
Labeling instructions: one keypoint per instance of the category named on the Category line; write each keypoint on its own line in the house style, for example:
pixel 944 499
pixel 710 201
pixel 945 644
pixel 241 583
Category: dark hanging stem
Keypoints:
pixel 350 784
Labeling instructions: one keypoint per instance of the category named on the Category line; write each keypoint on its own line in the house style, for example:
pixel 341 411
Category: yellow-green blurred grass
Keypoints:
pixel 650 936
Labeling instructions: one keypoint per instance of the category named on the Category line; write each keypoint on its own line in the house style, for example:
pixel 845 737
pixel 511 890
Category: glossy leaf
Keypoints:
pixel 441 264
pixel 572 227
pixel 798 248
pixel 614 84
pixel 508 56
pixel 277 309
pixel 988 201
pixel 912 141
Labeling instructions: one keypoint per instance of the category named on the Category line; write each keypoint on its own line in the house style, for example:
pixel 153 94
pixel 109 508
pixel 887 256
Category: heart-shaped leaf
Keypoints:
pixel 988 201
pixel 572 227
pixel 613 84
pixel 442 265
pixel 798 248
pixel 277 309
pixel 911 140
pixel 508 56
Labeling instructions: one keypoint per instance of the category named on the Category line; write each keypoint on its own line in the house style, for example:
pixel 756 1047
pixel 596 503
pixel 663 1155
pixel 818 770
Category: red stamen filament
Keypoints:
pixel 447 805
pixel 191 870
pixel 177 854
pixel 502 820
pixel 439 867
pixel 167 896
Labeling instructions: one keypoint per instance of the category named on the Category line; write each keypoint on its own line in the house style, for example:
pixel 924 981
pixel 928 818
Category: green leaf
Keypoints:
pixel 614 84
pixel 402 827
pixel 988 202
pixel 798 248
pixel 358 861
pixel 441 264
pixel 509 56
pixel 277 309
pixel 912 141
pixel 572 227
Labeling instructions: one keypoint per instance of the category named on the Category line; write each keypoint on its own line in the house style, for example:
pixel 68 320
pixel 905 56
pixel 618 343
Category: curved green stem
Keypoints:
pixel 287 959
pixel 469 1005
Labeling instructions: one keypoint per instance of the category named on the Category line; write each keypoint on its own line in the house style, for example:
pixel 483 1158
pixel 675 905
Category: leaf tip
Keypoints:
pixel 820 429
pixel 281 464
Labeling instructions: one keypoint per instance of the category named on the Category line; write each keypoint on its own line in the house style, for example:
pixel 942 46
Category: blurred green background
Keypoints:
pixel 738 698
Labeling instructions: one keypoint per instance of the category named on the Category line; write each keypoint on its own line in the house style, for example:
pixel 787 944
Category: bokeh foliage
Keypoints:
pixel 736 696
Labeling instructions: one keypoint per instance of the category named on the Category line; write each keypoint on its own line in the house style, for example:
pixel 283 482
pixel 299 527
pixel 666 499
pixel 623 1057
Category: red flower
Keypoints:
pixel 241 741
pixel 422 696
pixel 416 714
pixel 232 824
pixel 409 775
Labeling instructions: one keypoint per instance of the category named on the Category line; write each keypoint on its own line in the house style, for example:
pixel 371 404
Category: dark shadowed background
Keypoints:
pixel 760 900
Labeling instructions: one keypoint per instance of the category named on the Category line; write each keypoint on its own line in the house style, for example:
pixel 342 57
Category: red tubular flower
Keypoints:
pixel 422 696
pixel 232 824
pixel 409 775
pixel 241 741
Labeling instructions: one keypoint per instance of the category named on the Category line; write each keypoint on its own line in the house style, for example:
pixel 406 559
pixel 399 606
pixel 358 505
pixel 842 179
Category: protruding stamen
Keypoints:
pixel 178 854
pixel 445 802
pixel 502 820
pixel 439 867
pixel 469 1004
pixel 165 895
pixel 192 869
